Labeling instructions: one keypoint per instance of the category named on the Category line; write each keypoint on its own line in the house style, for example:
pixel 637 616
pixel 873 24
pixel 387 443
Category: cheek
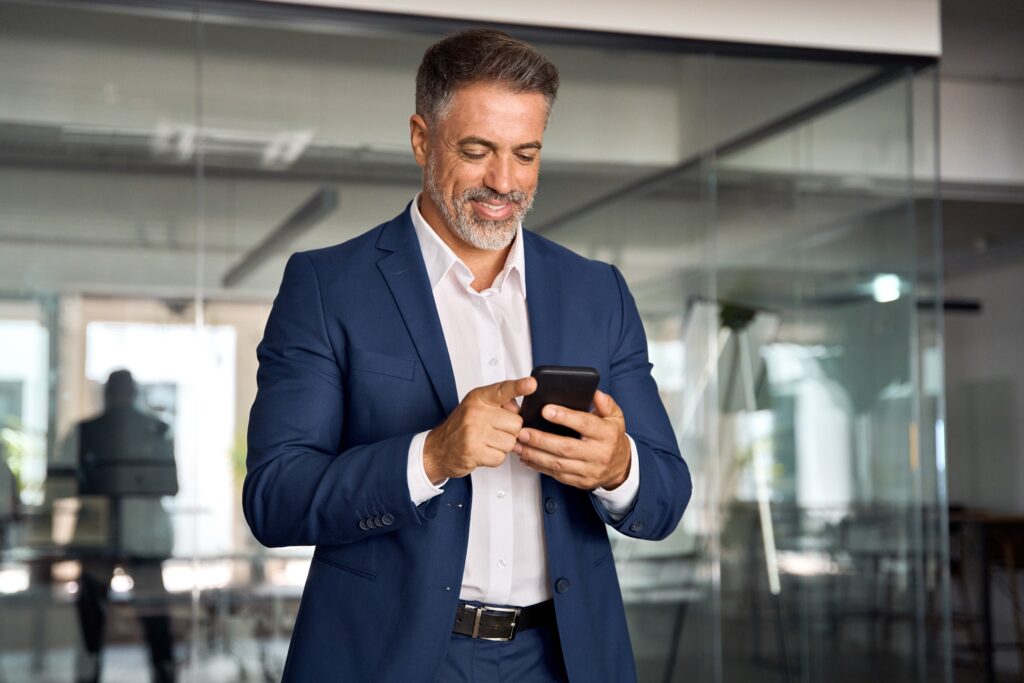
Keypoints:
pixel 466 179
pixel 526 180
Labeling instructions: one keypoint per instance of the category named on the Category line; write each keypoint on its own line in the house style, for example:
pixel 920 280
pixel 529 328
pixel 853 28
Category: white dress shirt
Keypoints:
pixel 488 339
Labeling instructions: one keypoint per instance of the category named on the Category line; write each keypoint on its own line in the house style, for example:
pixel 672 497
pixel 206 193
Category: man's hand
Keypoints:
pixel 480 432
pixel 599 458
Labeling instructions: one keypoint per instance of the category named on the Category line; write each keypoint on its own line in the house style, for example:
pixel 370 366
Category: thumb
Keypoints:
pixel 605 405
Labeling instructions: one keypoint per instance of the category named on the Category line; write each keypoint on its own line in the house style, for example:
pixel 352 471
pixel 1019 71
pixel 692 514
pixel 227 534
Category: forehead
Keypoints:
pixel 496 113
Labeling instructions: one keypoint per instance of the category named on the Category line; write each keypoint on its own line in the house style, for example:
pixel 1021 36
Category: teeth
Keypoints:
pixel 494 207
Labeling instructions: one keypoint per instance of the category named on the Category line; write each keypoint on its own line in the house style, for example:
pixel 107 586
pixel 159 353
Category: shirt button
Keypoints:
pixel 501 563
pixel 562 585
pixel 501 494
pixel 492 362
pixel 550 505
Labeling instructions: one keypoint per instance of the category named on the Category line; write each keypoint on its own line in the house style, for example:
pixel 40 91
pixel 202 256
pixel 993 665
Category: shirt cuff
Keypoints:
pixel 420 487
pixel 619 500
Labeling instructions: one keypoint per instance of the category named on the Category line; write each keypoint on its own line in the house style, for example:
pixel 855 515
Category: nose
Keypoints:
pixel 499 174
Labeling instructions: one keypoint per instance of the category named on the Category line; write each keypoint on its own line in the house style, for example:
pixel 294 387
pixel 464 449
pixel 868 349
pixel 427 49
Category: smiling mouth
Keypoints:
pixel 491 211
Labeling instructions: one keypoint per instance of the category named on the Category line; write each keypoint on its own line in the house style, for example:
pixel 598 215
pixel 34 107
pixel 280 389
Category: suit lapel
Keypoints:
pixel 543 303
pixel 406 277
pixel 544 306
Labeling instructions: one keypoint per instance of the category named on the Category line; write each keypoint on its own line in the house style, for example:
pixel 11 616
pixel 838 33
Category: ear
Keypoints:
pixel 419 137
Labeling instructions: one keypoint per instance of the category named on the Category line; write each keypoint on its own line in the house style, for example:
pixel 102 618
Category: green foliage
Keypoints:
pixel 238 452
pixel 14 446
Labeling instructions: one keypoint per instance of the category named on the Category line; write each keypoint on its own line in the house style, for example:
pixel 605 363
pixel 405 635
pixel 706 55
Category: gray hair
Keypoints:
pixel 480 56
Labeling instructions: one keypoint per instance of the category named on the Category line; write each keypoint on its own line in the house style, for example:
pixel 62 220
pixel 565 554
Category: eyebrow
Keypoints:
pixel 475 140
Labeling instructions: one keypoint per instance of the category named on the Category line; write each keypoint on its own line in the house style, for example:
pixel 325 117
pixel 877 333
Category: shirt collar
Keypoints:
pixel 439 258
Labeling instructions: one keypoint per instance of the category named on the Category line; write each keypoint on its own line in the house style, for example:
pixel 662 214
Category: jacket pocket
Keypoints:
pixel 381 364
pixel 358 571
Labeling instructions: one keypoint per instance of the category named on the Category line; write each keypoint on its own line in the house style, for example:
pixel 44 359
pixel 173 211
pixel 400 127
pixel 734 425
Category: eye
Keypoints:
pixel 475 156
pixel 526 158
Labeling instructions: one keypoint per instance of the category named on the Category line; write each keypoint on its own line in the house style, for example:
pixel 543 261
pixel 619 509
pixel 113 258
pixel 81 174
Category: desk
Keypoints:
pixel 1002 545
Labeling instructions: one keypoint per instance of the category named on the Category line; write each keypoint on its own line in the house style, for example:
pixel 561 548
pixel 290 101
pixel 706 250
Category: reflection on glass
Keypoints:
pixel 766 213
pixel 23 401
pixel 778 278
pixel 125 466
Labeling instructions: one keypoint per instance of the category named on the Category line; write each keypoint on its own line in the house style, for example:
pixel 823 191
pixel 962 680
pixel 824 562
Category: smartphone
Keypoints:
pixel 563 386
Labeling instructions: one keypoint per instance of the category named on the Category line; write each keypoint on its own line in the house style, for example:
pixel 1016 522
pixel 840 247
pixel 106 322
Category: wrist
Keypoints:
pixel 622 475
pixel 430 465
pixel 616 482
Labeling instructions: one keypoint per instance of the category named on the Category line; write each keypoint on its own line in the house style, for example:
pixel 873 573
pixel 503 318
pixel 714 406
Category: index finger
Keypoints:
pixel 503 392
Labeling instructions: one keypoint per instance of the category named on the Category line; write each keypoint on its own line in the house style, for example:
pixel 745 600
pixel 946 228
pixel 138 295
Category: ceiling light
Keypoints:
pixel 886 288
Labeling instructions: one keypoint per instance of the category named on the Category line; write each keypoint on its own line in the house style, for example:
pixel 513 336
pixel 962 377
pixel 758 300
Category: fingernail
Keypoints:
pixel 518 448
pixel 524 436
pixel 550 412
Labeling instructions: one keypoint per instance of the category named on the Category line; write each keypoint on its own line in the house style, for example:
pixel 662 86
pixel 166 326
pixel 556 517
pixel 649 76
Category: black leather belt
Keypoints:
pixel 501 623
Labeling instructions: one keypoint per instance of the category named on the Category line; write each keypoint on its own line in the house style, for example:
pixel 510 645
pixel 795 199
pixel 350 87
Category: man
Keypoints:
pixel 139 536
pixel 386 429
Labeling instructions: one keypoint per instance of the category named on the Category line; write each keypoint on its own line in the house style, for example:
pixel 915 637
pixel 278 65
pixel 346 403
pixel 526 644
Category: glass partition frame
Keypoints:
pixel 764 259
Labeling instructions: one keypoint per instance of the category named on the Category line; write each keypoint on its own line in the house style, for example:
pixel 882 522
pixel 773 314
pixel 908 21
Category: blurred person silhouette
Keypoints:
pixel 126 456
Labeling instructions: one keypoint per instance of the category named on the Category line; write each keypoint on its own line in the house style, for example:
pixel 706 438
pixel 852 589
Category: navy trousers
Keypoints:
pixel 533 656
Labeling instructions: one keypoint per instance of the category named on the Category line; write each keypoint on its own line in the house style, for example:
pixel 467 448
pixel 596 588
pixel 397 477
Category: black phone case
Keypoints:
pixel 562 385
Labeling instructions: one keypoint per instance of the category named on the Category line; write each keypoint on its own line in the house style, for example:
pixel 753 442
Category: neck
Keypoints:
pixel 485 264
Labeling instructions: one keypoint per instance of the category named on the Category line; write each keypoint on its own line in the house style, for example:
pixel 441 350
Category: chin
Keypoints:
pixel 489 238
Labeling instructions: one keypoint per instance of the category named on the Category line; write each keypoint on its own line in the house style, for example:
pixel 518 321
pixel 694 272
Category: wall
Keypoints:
pixel 982 140
pixel 982 92
pixel 985 392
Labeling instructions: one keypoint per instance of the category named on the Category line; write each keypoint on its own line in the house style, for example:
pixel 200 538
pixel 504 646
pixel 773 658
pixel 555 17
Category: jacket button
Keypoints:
pixel 387 518
pixel 636 526
pixel 376 522
pixel 362 525
pixel 550 505
pixel 562 585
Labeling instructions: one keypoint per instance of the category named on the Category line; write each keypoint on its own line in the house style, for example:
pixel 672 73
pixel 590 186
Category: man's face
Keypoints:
pixel 482 162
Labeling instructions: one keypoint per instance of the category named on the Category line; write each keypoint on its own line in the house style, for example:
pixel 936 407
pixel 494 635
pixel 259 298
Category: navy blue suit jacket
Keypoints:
pixel 352 365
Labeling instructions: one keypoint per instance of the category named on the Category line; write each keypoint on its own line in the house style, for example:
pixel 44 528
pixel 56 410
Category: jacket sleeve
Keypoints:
pixel 299 489
pixel 665 485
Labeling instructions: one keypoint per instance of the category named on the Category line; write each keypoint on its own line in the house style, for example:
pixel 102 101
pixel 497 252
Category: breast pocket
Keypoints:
pixel 386 396
pixel 362 360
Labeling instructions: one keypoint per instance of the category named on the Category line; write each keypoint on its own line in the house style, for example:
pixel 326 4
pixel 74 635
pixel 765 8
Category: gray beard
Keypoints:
pixel 482 234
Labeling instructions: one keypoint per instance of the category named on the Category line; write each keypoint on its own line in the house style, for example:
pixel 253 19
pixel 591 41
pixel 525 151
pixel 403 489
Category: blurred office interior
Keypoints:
pixel 834 324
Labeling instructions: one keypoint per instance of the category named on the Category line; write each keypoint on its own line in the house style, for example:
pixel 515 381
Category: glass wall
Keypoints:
pixel 771 214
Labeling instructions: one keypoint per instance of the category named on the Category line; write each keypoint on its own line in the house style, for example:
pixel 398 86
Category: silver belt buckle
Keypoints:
pixel 512 628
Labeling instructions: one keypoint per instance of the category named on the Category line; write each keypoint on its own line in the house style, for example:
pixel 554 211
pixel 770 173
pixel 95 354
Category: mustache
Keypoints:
pixel 487 194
